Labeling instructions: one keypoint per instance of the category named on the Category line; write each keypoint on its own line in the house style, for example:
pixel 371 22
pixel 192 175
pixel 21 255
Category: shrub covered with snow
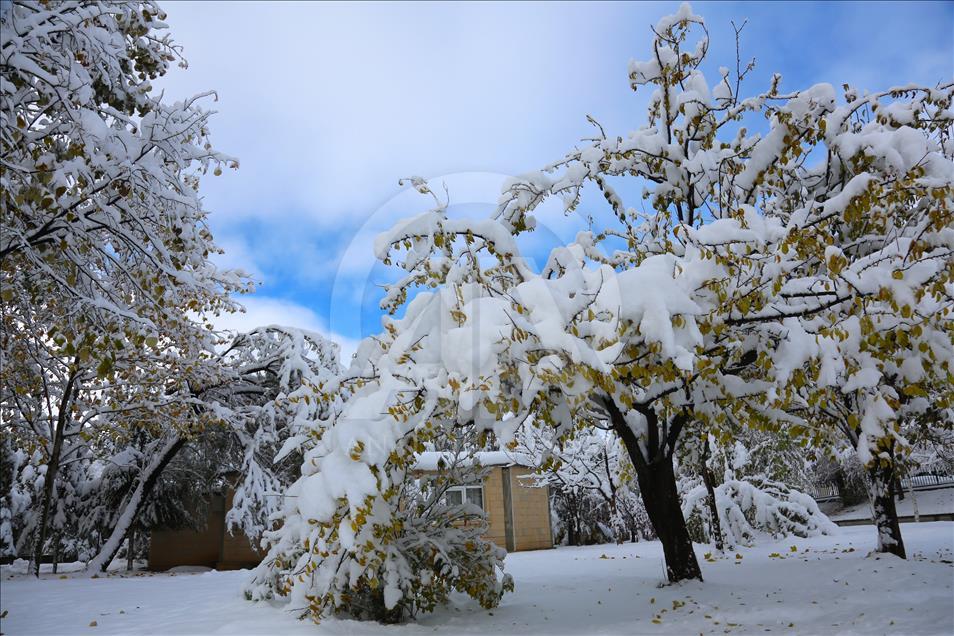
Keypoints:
pixel 755 507
pixel 751 488
pixel 400 554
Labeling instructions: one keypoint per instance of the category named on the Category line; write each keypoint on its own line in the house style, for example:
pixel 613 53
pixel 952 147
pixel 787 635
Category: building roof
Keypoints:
pixel 428 460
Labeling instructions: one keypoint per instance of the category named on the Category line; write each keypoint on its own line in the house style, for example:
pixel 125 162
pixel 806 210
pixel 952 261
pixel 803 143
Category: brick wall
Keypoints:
pixel 531 512
pixel 494 505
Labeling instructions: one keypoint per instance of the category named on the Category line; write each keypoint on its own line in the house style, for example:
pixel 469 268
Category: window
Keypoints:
pixel 471 494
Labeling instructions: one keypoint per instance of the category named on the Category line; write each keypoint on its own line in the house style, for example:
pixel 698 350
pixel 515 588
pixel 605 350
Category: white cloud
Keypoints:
pixel 262 311
pixel 328 105
pixel 236 257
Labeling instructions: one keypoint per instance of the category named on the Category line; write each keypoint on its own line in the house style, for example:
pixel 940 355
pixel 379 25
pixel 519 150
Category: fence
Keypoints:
pixel 827 492
pixel 824 492
pixel 922 481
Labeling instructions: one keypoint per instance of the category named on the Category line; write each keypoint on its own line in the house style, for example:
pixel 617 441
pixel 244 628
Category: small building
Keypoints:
pixel 518 516
pixel 518 513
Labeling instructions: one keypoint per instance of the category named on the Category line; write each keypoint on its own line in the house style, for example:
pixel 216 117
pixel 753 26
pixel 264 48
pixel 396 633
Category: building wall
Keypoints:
pixel 494 505
pixel 214 547
pixel 211 547
pixel 530 509
pixel 170 548
pixel 531 512
pixel 237 550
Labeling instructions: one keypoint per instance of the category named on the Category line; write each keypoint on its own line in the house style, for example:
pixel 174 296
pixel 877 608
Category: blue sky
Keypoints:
pixel 328 105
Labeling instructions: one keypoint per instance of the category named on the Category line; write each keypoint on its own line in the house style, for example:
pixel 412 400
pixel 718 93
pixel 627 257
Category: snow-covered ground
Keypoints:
pixel 825 585
pixel 930 502
pixel 22 566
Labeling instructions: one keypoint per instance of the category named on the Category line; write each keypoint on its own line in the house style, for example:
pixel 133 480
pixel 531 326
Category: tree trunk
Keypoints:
pixel 133 504
pixel 572 505
pixel 130 544
pixel 56 552
pixel 52 469
pixel 715 525
pixel 657 486
pixel 885 514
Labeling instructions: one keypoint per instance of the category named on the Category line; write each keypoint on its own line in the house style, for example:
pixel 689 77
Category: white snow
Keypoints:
pixel 22 566
pixel 826 586
pixel 430 460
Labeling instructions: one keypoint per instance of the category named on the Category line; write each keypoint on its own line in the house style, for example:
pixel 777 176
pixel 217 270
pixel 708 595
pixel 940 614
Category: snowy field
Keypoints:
pixel 826 586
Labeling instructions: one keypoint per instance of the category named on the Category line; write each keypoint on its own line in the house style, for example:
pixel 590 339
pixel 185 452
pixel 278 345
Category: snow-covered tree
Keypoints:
pixel 707 309
pixel 739 452
pixel 179 498
pixel 932 448
pixel 106 281
pixel 107 286
pixel 262 395
pixel 874 178
pixel 649 334
pixel 147 432
pixel 58 395
pixel 14 500
pixel 591 481
pixel 100 174
pixel 278 372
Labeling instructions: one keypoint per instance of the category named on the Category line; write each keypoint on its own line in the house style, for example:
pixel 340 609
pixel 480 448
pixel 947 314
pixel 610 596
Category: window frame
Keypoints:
pixel 462 489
